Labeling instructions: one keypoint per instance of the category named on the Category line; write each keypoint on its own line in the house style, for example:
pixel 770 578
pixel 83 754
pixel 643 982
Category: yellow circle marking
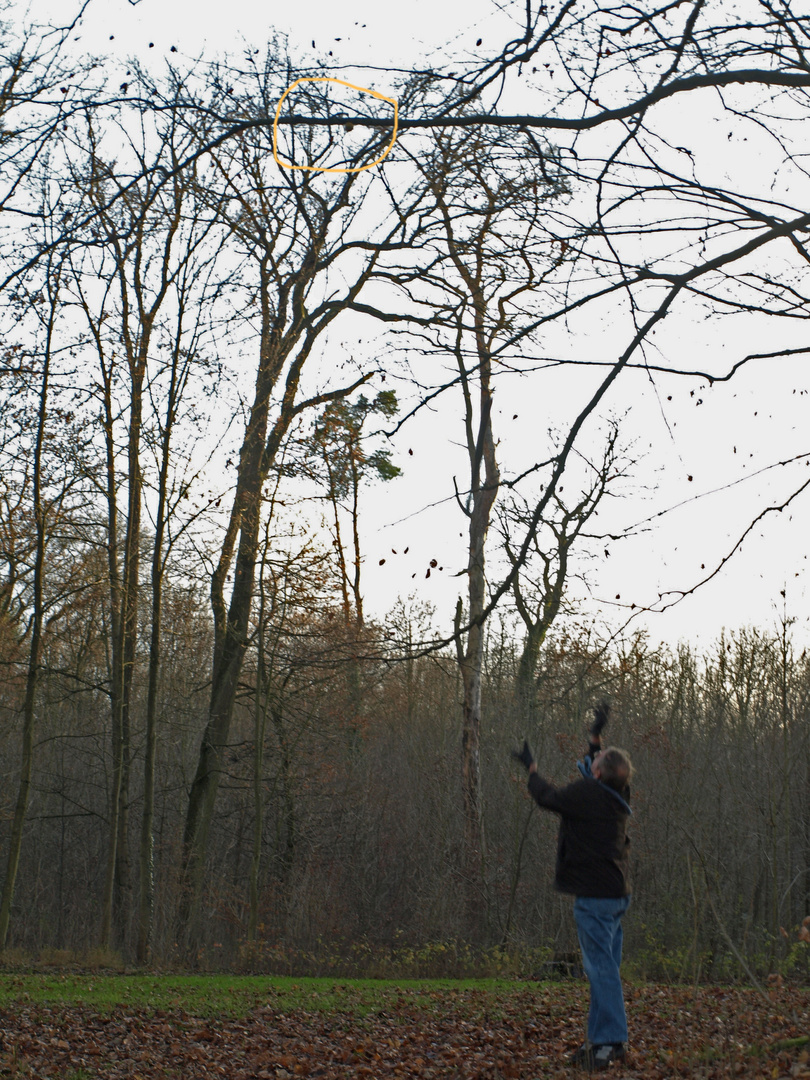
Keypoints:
pixel 317 168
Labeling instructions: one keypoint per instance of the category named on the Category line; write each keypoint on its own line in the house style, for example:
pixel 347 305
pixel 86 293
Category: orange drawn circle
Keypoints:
pixel 317 168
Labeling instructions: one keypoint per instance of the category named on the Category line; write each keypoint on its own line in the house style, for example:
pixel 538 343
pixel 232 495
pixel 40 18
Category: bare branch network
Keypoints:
pixel 717 81
pixel 197 345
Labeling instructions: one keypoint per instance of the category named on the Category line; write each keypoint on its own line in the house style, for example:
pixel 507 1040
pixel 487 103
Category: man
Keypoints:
pixel 593 865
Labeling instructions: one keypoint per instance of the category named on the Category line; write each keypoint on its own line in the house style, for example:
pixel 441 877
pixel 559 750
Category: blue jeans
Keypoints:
pixel 599 926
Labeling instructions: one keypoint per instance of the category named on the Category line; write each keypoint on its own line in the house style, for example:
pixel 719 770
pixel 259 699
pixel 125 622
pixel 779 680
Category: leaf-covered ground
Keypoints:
pixel 511 1031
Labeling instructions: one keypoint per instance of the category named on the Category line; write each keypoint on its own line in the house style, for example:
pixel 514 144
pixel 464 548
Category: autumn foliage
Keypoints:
pixel 512 1032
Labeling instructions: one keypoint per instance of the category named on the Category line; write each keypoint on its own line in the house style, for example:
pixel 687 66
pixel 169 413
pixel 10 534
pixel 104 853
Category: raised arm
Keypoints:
pixel 601 715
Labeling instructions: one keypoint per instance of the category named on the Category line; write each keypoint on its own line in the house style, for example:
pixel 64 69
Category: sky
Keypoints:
pixel 704 456
pixel 359 32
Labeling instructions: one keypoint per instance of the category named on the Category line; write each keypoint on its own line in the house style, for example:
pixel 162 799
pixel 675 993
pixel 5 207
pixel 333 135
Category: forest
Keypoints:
pixel 223 308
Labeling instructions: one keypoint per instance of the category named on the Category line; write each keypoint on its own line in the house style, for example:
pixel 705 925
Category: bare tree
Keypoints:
pixel 541 585
pixel 297 232
pixel 46 511
pixel 42 85
pixel 295 581
pixel 141 279
pixel 490 259
pixel 195 287
pixel 503 246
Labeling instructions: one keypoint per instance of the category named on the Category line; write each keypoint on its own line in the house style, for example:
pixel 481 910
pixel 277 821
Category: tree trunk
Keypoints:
pixel 32 677
pixel 230 643
pixel 117 884
pixel 288 335
pixel 259 724
pixel 146 856
pixel 471 658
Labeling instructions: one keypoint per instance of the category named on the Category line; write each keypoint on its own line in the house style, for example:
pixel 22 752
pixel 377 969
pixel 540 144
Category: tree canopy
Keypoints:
pixel 181 306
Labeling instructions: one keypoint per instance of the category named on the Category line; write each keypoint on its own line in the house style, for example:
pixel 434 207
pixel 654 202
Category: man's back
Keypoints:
pixel 592 848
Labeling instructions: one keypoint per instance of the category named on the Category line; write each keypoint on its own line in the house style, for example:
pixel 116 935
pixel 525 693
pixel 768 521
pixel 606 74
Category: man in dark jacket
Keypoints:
pixel 593 865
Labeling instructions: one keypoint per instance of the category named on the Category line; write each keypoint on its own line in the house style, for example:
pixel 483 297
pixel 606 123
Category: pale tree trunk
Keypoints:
pixel 146 851
pixel 116 679
pixel 357 561
pixel 340 550
pixel 458 171
pixel 146 855
pixel 129 627
pixel 470 656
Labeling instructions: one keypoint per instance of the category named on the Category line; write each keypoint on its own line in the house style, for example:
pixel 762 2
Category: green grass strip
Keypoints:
pixel 234 996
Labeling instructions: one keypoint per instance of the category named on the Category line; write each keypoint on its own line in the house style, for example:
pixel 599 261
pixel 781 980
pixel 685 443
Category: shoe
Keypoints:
pixel 597 1058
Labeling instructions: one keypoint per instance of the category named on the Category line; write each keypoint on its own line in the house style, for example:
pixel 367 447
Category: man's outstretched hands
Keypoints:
pixel 524 756
pixel 601 714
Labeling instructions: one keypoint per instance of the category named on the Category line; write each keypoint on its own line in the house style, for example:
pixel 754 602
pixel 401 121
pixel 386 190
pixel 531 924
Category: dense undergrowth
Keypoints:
pixel 433 960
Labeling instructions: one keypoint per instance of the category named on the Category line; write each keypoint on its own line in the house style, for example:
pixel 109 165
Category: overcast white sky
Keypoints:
pixel 679 428
pixel 368 32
